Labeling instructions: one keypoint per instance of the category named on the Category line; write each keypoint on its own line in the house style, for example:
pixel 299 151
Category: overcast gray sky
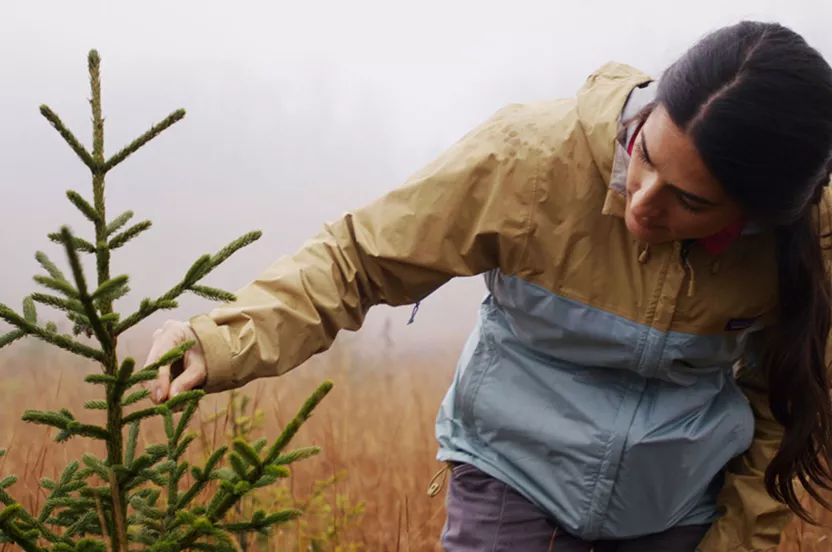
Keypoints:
pixel 296 112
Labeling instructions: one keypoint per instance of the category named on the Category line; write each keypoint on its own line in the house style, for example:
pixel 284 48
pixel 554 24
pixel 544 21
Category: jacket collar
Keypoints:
pixel 601 102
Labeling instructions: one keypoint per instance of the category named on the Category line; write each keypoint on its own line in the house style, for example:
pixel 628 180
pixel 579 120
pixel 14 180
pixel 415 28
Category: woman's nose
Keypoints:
pixel 645 199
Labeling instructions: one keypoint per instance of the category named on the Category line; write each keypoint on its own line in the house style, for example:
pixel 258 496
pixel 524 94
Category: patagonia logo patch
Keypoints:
pixel 737 324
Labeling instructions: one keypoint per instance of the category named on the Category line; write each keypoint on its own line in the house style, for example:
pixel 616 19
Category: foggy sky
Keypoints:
pixel 297 112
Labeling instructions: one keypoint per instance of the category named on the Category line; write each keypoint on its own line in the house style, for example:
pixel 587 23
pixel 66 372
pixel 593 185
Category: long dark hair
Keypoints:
pixel 756 100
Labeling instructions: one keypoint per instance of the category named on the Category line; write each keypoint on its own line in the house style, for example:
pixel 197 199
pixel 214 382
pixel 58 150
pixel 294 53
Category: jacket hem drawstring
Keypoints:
pixel 692 281
pixel 437 483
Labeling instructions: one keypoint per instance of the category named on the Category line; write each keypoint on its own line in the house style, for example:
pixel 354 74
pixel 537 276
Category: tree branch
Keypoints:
pixel 201 268
pixel 85 298
pixel 73 142
pixel 154 131
pixel 61 341
pixel 11 337
pixel 83 205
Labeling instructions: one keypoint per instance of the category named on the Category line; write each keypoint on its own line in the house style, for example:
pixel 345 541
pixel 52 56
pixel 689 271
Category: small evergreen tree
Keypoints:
pixel 132 500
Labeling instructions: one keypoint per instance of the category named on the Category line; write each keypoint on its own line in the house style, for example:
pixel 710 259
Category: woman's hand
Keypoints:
pixel 172 334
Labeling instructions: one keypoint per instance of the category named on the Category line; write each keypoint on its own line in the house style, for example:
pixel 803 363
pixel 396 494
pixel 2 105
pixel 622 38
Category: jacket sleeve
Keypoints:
pixel 465 213
pixel 753 521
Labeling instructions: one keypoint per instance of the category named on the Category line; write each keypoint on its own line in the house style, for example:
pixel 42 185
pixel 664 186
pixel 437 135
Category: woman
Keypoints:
pixel 639 242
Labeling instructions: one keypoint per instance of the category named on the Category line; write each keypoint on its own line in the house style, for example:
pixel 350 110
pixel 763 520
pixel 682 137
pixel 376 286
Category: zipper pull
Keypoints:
pixel 413 314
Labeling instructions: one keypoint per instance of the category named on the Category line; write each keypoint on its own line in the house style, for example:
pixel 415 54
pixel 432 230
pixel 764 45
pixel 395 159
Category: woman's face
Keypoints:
pixel 671 195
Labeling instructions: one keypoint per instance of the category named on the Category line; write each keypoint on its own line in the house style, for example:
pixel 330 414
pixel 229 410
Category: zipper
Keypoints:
pixel 687 245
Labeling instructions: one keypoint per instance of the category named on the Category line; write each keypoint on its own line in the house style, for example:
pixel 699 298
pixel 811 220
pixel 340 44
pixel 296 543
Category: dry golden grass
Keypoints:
pixel 377 424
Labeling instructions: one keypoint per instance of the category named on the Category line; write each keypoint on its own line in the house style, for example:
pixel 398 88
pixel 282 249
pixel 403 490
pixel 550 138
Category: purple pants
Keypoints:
pixel 486 515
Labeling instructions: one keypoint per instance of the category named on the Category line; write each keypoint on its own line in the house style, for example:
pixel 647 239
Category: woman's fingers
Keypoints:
pixel 169 336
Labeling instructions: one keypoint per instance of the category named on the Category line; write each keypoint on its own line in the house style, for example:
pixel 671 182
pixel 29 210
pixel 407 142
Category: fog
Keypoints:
pixel 297 112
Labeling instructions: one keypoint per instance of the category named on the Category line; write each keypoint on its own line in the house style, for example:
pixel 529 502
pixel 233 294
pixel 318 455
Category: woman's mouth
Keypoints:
pixel 647 223
pixel 643 227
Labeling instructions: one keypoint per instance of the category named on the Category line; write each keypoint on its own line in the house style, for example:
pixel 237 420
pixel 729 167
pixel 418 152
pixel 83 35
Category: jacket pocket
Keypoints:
pixel 482 360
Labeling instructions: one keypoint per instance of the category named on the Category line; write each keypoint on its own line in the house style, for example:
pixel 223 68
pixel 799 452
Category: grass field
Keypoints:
pixel 366 491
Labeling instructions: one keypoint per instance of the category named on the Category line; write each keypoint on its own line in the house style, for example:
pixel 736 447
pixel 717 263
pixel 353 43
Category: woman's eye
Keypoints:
pixel 642 156
pixel 687 205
